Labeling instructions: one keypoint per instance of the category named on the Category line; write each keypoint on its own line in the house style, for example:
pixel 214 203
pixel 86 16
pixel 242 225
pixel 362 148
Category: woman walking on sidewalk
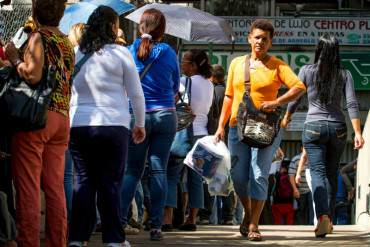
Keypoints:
pixel 325 132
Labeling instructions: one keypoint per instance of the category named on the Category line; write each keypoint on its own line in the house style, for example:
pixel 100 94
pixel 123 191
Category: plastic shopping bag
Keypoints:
pixel 211 160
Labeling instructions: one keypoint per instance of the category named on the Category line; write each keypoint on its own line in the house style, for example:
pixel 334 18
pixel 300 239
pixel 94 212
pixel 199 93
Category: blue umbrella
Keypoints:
pixel 119 6
pixel 80 12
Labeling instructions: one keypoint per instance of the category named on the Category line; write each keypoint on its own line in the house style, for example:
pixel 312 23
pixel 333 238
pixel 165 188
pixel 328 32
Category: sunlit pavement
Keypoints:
pixel 272 236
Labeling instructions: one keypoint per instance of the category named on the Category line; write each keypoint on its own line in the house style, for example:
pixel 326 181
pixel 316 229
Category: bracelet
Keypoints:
pixel 18 62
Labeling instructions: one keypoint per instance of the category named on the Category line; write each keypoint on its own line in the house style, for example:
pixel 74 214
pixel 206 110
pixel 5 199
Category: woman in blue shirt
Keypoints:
pixel 160 85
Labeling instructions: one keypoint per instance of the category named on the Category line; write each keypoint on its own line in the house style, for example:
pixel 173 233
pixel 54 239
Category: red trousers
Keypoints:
pixel 38 160
pixel 283 214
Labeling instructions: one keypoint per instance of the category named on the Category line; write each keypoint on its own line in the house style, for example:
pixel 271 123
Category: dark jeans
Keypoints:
pixel 324 142
pixel 304 213
pixel 68 182
pixel 160 130
pixel 99 156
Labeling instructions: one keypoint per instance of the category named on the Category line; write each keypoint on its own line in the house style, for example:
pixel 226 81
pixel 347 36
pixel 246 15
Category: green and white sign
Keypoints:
pixel 358 63
pixel 307 30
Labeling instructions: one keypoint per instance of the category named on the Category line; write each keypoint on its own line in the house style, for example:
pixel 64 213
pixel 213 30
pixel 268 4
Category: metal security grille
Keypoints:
pixel 12 19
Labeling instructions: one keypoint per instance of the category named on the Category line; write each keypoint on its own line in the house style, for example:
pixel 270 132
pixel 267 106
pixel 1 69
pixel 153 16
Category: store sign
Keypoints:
pixel 306 31
pixel 356 62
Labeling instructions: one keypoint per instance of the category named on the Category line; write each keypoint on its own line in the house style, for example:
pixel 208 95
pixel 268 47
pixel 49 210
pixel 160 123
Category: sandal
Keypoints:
pixel 244 230
pixel 254 235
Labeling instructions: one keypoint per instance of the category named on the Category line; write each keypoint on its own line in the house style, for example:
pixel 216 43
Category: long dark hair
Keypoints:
pixel 201 60
pixel 152 22
pixel 329 75
pixel 98 31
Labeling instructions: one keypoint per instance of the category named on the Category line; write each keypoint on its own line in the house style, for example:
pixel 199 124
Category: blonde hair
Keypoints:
pixel 120 40
pixel 75 33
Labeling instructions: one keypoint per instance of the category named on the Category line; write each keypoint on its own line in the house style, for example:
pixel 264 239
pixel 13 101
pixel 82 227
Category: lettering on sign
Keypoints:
pixel 306 31
pixel 357 63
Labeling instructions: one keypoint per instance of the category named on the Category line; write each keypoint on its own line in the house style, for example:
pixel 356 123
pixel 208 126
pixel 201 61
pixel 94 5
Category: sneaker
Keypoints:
pixel 188 227
pixel 167 228
pixel 156 235
pixel 129 230
pixel 135 224
pixel 227 223
pixel 204 222
pixel 124 244
pixel 323 226
pixel 75 244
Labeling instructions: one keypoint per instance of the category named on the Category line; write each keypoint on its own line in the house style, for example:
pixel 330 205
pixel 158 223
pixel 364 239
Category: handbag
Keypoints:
pixel 256 128
pixel 184 113
pixel 23 107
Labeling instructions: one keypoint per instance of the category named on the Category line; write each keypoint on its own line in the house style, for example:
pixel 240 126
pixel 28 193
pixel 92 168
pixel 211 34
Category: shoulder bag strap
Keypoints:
pixel 188 89
pixel 247 79
pixel 147 67
pixel 80 63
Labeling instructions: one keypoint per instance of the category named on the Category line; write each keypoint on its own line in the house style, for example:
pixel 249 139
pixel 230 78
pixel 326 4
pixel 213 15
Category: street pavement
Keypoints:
pixel 217 236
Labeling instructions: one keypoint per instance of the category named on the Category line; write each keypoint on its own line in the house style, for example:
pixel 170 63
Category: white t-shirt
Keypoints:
pixel 101 89
pixel 201 101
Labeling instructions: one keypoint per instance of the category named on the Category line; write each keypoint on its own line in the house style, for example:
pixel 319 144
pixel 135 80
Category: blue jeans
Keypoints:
pixel 160 130
pixel 99 155
pixel 68 182
pixel 139 199
pixel 193 184
pixel 324 142
pixel 250 166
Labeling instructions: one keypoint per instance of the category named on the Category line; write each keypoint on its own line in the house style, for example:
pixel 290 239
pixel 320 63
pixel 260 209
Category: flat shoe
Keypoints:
pixel 188 227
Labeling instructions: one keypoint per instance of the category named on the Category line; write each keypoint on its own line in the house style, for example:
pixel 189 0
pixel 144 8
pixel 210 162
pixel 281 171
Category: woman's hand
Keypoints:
pixel 269 105
pixel 285 121
pixel 358 141
pixel 138 134
pixel 220 134
pixel 12 53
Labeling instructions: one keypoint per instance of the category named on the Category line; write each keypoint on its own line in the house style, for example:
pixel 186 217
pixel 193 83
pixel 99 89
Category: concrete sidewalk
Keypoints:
pixel 217 236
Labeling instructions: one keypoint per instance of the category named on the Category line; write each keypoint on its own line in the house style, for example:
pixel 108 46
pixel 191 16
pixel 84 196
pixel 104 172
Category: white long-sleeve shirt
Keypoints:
pixel 101 90
pixel 201 101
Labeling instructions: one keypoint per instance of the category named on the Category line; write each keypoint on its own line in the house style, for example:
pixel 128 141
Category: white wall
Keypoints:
pixel 363 180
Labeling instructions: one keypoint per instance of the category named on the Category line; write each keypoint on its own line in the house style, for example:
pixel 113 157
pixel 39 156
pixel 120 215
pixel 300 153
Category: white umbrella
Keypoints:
pixel 190 24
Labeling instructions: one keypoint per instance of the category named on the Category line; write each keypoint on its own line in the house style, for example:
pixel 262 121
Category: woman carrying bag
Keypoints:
pixel 38 155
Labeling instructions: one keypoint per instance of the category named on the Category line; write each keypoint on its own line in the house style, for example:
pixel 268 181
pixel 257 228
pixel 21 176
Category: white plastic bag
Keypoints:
pixel 211 160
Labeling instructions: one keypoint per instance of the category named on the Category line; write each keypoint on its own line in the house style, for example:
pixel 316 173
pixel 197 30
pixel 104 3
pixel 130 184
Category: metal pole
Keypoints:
pixel 203 5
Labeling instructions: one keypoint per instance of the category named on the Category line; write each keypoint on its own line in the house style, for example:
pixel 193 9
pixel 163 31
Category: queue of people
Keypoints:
pixel 114 109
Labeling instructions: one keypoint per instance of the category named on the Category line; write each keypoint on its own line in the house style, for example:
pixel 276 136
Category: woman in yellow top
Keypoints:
pixel 250 166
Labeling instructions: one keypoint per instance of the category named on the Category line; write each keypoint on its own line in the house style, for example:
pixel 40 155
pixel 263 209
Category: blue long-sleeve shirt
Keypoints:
pixel 161 82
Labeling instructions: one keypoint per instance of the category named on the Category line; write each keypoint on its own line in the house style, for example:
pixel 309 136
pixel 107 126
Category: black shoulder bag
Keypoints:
pixel 185 115
pixel 23 107
pixel 256 128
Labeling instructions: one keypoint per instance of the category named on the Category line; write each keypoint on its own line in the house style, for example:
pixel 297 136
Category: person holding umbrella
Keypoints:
pixel 158 66
pixel 250 166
